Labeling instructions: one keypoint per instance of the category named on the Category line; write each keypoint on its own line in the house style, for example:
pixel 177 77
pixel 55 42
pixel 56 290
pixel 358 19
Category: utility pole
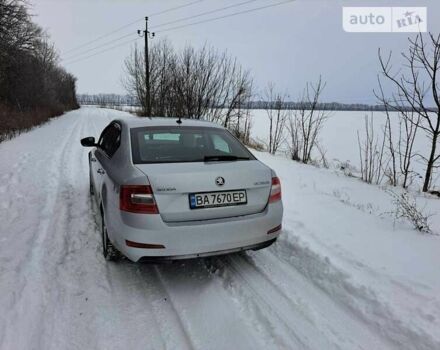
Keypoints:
pixel 147 69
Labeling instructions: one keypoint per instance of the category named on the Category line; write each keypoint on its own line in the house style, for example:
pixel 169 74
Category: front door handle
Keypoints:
pixel 101 171
pixel 93 159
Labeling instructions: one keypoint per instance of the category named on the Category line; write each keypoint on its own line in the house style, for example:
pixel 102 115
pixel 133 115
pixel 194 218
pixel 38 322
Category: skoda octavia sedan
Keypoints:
pixel 170 189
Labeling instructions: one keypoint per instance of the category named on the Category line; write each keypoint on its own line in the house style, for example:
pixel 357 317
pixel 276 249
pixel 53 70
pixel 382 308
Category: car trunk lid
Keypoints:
pixel 172 184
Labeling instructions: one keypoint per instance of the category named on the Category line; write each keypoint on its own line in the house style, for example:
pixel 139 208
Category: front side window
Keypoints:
pixel 110 139
pixel 169 144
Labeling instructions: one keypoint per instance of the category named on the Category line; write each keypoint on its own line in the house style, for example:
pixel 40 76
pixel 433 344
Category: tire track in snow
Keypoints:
pixel 166 313
pixel 132 301
pixel 56 259
pixel 282 319
pixel 254 273
pixel 113 303
pixel 360 301
pixel 30 300
pixel 196 296
pixel 71 227
pixel 424 310
pixel 323 310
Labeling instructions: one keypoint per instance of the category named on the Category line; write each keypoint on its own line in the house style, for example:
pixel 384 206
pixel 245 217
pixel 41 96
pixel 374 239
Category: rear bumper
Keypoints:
pixel 204 255
pixel 186 240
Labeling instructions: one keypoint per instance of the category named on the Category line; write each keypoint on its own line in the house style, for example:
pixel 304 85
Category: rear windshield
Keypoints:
pixel 169 144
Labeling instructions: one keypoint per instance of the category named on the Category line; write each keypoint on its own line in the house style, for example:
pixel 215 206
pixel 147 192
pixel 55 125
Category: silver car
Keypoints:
pixel 170 189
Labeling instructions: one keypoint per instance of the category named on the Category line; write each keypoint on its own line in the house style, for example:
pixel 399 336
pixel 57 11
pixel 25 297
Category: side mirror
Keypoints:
pixel 88 142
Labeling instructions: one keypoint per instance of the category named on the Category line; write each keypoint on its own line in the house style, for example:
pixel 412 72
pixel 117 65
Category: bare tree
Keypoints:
pixel 295 143
pixel 409 122
pixel 400 148
pixel 371 152
pixel 241 93
pixel 306 122
pixel 246 126
pixel 277 115
pixel 391 171
pixel 416 88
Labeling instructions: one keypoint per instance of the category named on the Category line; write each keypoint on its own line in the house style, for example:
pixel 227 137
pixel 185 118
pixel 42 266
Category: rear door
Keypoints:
pixel 181 165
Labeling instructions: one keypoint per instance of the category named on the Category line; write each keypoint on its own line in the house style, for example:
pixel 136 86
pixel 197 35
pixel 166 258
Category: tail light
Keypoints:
pixel 275 191
pixel 137 199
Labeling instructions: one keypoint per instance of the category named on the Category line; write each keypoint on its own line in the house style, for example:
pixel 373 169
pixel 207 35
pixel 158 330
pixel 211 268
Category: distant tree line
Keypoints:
pixel 107 100
pixel 113 100
pixel 323 106
pixel 33 87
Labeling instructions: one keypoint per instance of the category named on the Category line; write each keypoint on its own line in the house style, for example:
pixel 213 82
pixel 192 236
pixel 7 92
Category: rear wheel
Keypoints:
pixel 108 250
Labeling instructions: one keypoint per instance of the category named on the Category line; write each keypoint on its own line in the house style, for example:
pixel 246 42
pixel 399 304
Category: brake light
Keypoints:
pixel 275 191
pixel 137 199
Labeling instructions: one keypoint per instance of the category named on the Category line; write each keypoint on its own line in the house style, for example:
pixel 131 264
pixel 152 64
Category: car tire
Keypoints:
pixel 109 252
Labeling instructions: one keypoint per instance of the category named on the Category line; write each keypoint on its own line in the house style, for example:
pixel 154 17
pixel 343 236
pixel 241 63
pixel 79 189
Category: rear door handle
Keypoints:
pixel 101 171
pixel 93 159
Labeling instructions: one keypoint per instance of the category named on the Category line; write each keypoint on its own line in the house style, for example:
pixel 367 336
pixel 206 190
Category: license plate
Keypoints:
pixel 217 199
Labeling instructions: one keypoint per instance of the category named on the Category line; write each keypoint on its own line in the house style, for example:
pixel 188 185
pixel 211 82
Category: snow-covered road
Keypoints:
pixel 340 277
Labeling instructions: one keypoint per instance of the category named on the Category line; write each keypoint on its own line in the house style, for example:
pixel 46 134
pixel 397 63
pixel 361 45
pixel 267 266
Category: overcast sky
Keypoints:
pixel 288 45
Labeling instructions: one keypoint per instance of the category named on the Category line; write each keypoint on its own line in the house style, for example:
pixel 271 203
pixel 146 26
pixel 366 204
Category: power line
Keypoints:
pixel 203 13
pixel 103 36
pixel 74 55
pixel 130 24
pixel 174 8
pixel 191 24
pixel 69 57
pixel 225 16
pixel 100 52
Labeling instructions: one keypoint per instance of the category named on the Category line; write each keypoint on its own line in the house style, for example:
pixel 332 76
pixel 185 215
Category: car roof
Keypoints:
pixel 160 121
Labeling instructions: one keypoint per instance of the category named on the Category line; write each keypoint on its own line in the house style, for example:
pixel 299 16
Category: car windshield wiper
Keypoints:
pixel 223 158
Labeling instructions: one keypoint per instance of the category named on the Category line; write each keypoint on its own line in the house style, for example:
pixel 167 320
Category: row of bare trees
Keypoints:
pixel 416 88
pixel 190 83
pixel 205 83
pixel 388 154
pixel 303 123
pixel 31 81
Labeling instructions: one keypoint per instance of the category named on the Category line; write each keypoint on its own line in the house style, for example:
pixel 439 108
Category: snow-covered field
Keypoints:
pixel 343 275
pixel 339 139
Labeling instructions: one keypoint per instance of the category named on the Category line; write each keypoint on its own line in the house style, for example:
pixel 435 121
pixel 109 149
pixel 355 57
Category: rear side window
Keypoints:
pixel 220 144
pixel 170 144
